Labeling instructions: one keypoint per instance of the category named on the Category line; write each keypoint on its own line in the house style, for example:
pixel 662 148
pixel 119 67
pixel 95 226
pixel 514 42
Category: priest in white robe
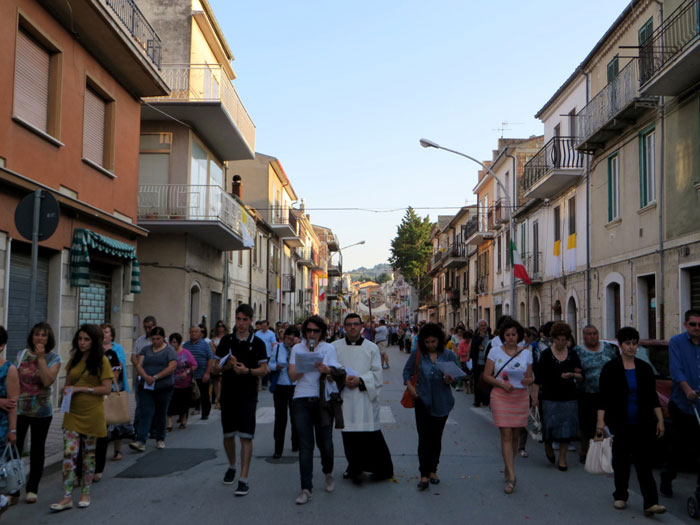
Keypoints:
pixel 365 447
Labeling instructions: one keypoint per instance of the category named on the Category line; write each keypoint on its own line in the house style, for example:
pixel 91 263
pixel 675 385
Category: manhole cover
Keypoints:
pixel 159 463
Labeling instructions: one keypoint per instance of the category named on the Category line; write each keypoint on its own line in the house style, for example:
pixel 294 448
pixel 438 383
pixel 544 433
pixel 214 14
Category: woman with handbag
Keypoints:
pixel 181 401
pixel 509 370
pixel 88 379
pixel 433 398
pixel 9 392
pixel 38 366
pixel 557 376
pixel 629 406
pixel 155 368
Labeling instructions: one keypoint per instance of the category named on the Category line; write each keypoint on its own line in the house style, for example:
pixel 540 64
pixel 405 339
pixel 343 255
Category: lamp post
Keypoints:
pixel 511 226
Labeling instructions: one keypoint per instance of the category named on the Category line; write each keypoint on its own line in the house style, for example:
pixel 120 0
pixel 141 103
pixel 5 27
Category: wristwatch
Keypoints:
pixel 250 371
pixel 91 390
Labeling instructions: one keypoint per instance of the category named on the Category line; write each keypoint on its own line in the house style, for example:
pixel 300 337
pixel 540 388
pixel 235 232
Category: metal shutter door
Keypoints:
pixel 18 305
pixel 94 128
pixel 31 82
pixel 694 288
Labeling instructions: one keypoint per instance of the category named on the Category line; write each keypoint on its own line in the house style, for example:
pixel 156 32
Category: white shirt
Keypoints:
pixel 308 384
pixel 515 371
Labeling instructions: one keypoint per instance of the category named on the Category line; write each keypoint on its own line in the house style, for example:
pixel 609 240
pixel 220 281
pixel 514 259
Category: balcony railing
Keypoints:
pixel 282 216
pixel 611 110
pixel 471 227
pixel 208 83
pixel 288 282
pixel 558 154
pixel 135 22
pixel 679 32
pixel 533 265
pixel 190 203
pixel 455 298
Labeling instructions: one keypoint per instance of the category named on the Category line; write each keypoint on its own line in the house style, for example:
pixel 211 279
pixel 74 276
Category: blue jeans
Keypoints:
pixel 151 408
pixel 306 419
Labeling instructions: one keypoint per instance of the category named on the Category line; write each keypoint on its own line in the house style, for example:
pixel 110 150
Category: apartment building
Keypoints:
pixel 187 139
pixel 455 262
pixel 73 76
pixel 437 299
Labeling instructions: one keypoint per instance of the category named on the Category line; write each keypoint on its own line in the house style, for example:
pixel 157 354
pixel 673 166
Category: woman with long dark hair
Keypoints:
pixel 433 398
pixel 88 379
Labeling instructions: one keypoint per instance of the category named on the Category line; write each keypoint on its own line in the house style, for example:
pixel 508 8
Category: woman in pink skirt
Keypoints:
pixel 509 370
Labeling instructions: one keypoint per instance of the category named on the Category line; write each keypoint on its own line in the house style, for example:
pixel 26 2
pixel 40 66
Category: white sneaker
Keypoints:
pixel 160 444
pixel 330 483
pixel 304 497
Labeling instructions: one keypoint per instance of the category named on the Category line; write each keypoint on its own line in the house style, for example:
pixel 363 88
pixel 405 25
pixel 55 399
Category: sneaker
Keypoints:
pixel 523 453
pixel 654 509
pixel 385 366
pixel 304 497
pixel 330 483
pixel 137 446
pixel 620 504
pixel 160 444
pixel 33 498
pixel 229 476
pixel 242 489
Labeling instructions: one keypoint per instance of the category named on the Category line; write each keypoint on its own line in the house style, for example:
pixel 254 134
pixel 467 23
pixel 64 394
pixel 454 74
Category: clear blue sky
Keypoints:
pixel 342 91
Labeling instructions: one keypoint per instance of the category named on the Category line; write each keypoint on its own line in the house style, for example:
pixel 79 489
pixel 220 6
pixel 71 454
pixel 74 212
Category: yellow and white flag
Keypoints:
pixel 571 253
pixel 556 259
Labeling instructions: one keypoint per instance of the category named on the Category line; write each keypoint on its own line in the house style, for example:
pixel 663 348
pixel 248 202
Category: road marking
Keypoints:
pixel 265 415
pixel 386 416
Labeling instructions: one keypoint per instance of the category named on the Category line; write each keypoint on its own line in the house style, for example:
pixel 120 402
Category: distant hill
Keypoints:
pixel 369 274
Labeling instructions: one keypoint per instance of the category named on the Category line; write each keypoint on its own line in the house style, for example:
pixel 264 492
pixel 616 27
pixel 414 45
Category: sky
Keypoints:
pixel 341 92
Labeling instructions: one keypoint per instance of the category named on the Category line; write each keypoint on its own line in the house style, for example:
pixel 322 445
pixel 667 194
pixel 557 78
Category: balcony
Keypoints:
pixel 203 95
pixel 334 293
pixel 335 270
pixel 119 36
pixel 554 168
pixel 454 298
pixel 477 234
pixel 288 283
pixel 500 214
pixel 435 263
pixel 285 225
pixel 206 212
pixel 533 265
pixel 617 106
pixel 456 256
pixel 670 60
pixel 329 239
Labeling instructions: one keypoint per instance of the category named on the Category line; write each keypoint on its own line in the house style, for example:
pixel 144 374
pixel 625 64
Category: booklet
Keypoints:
pixel 306 361
pixel 65 404
pixel 450 368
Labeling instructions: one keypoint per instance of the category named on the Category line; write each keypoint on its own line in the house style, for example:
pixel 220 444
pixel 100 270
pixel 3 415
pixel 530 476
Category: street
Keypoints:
pixel 182 483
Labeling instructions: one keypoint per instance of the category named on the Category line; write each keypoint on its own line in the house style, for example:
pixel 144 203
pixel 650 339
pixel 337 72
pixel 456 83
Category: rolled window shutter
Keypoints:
pixel 94 128
pixel 31 82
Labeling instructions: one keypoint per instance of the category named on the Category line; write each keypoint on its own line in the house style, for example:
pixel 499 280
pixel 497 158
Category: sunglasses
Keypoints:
pixel 313 330
pixel 694 325
pixel 353 324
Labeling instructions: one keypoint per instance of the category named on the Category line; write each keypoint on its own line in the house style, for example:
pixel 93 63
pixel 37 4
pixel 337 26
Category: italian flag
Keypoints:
pixel 322 294
pixel 517 263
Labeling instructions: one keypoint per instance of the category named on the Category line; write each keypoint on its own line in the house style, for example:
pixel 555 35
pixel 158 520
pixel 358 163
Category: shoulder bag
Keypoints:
pixel 407 400
pixel 12 474
pixel 117 406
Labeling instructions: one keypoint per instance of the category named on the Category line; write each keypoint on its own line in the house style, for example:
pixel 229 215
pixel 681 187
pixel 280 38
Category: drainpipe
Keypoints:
pixel 513 202
pixel 588 222
pixel 660 303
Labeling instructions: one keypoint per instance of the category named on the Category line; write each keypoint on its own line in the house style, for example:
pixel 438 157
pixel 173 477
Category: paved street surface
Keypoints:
pixel 182 484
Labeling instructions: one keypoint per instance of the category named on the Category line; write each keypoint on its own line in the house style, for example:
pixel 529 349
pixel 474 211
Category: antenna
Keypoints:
pixel 504 126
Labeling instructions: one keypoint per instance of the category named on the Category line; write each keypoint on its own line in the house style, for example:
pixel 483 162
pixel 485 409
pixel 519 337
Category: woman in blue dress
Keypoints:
pixel 9 392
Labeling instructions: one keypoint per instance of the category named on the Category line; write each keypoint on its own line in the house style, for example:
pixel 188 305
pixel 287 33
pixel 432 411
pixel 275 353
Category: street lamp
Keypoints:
pixel 511 227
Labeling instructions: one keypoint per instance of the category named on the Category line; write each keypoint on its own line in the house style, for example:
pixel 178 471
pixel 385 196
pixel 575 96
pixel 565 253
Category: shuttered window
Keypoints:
pixel 94 127
pixel 32 65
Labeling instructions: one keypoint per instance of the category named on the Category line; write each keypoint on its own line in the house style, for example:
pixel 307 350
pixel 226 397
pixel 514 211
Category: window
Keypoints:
pixel 613 68
pixel 523 230
pixel 98 128
pixel 557 223
pixel 572 123
pixel 37 89
pixel 507 250
pixel 647 168
pixel 535 247
pixel 240 257
pixel 154 158
pixel 572 215
pixel 498 255
pixel 613 187
pixel 646 65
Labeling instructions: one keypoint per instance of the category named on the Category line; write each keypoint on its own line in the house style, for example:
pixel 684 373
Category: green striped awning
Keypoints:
pixel 85 240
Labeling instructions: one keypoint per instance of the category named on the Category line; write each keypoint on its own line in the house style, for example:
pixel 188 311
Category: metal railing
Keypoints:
pixel 681 28
pixel 471 227
pixel 533 265
pixel 191 203
pixel 558 153
pixel 454 297
pixel 208 83
pixel 281 215
pixel 288 282
pixel 619 93
pixel 138 26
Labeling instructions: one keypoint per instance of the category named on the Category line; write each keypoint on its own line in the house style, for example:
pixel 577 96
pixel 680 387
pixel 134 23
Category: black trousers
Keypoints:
pixel 204 399
pixel 631 446
pixel 482 395
pixel 685 437
pixel 429 438
pixel 282 397
pixel 40 429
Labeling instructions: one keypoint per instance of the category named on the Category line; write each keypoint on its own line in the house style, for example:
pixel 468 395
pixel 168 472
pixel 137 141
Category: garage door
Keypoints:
pixel 18 304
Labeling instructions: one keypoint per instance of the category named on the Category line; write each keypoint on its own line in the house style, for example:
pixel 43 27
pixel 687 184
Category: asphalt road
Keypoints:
pixel 183 483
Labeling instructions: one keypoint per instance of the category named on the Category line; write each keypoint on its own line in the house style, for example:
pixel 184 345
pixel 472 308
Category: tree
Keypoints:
pixel 383 277
pixel 411 249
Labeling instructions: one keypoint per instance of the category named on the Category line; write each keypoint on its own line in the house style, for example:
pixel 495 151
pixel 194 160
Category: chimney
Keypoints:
pixel 236 186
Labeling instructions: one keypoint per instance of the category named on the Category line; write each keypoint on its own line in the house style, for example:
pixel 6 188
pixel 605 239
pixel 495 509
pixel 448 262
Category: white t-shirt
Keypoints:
pixel 380 334
pixel 515 371
pixel 308 384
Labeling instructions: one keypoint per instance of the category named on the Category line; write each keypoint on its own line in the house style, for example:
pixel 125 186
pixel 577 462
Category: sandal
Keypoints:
pixel 117 456
pixel 168 429
pixel 509 486
pixel 182 425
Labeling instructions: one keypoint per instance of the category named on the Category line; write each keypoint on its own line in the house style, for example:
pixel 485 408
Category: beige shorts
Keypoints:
pixel 382 347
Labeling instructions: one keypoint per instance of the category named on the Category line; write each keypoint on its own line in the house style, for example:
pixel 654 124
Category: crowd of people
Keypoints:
pixel 328 376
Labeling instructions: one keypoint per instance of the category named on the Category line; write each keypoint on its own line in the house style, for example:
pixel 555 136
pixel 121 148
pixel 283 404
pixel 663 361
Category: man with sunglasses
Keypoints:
pixel 242 360
pixel 684 361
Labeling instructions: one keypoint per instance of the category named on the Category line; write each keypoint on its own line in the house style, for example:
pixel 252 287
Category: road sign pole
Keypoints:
pixel 35 258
